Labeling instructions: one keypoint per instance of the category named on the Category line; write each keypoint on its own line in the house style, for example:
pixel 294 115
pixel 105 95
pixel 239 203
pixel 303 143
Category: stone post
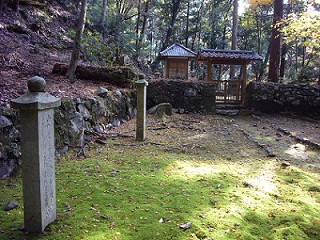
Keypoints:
pixel 37 148
pixel 141 109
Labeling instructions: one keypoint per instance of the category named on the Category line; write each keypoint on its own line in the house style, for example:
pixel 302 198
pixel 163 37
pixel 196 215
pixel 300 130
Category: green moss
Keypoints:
pixel 142 191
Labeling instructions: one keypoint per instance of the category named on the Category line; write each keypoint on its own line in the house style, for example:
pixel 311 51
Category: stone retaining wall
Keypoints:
pixel 189 96
pixel 93 114
pixel 274 97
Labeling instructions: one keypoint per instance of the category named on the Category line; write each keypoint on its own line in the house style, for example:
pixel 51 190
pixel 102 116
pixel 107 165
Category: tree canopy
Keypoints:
pixel 140 29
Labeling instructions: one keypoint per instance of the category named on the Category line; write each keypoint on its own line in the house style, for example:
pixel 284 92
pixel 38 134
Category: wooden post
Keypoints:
pixel 209 71
pixel 244 83
pixel 166 67
pixel 238 86
pixel 187 69
pixel 225 86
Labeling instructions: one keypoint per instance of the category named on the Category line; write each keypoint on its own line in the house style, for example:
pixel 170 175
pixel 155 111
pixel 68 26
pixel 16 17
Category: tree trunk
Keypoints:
pixel 16 6
pixel 275 43
pixel 77 42
pixel 283 61
pixel 120 76
pixel 187 23
pixel 104 12
pixel 264 64
pixel 137 24
pixel 234 37
pixel 174 14
pixel 143 28
pixel 198 26
pixel 213 15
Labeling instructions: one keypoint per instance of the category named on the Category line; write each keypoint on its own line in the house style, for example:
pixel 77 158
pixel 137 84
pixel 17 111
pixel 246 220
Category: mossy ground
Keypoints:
pixel 200 170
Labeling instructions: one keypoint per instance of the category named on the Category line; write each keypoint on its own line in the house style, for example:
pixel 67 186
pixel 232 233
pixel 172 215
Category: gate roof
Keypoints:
pixel 232 57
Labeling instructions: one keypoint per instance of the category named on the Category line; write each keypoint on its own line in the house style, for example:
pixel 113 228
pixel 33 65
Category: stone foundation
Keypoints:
pixel 274 97
pixel 190 96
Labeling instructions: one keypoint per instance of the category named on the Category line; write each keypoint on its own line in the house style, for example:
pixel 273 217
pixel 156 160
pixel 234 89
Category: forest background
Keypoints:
pixel 285 33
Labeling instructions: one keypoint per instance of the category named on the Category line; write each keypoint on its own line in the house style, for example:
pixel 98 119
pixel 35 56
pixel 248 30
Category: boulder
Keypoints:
pixel 161 110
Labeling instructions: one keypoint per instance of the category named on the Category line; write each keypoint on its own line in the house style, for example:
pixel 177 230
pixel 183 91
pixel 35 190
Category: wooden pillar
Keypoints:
pixel 238 88
pixel 166 68
pixel 244 82
pixel 187 69
pixel 209 71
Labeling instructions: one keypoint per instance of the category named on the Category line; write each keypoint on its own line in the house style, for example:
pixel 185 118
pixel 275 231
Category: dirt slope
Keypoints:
pixel 30 44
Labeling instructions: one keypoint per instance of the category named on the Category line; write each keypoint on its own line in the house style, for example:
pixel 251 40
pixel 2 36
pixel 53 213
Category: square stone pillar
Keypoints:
pixel 141 109
pixel 38 151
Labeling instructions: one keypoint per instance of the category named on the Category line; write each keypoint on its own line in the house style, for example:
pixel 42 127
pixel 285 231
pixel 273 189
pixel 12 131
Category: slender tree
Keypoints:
pixel 174 14
pixel 143 27
pixel 138 23
pixel 187 23
pixel 77 42
pixel 234 37
pixel 275 43
pixel 16 6
pixel 104 12
pixel 213 22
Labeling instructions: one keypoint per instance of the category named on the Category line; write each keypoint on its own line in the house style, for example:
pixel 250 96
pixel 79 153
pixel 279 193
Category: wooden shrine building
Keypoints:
pixel 228 91
pixel 176 61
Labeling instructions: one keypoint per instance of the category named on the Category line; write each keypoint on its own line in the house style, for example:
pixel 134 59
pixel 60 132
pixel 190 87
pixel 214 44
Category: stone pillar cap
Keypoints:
pixel 36 98
pixel 142 81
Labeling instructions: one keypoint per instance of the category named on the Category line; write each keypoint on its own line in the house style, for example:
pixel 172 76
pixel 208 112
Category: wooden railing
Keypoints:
pixel 228 91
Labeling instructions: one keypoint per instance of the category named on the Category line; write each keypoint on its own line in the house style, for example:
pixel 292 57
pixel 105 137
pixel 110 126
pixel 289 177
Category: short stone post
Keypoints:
pixel 37 148
pixel 141 109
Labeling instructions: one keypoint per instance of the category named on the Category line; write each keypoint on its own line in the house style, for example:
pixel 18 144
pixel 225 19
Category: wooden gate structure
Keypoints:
pixel 228 91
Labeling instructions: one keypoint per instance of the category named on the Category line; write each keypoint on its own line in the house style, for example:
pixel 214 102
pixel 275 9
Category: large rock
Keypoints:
pixel 161 110
pixel 5 122
pixel 6 168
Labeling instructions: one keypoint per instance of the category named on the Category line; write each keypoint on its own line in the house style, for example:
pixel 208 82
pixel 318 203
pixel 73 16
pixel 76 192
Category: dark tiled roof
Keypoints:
pixel 177 50
pixel 205 54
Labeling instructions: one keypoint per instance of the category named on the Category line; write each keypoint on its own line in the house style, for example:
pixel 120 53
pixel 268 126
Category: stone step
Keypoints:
pixel 229 106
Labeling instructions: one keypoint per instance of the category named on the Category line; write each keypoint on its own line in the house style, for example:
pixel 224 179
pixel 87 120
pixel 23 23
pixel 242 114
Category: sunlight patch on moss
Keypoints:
pixel 297 151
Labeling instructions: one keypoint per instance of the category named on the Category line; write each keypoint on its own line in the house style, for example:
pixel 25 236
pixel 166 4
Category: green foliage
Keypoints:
pixel 96 50
pixel 303 29
pixel 205 24
pixel 301 33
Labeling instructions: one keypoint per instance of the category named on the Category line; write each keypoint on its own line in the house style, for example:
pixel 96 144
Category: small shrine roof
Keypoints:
pixel 177 50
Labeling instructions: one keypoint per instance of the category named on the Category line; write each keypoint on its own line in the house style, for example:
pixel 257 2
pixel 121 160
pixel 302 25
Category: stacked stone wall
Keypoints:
pixel 275 97
pixel 190 96
pixel 92 114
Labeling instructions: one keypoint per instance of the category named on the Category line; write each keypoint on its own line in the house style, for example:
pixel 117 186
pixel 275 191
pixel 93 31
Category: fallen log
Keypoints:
pixel 123 76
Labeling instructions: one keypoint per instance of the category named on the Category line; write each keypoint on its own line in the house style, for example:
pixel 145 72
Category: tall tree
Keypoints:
pixel 16 6
pixel 234 37
pixel 213 22
pixel 77 42
pixel 275 42
pixel 104 12
pixel 141 34
pixel 187 23
pixel 174 13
